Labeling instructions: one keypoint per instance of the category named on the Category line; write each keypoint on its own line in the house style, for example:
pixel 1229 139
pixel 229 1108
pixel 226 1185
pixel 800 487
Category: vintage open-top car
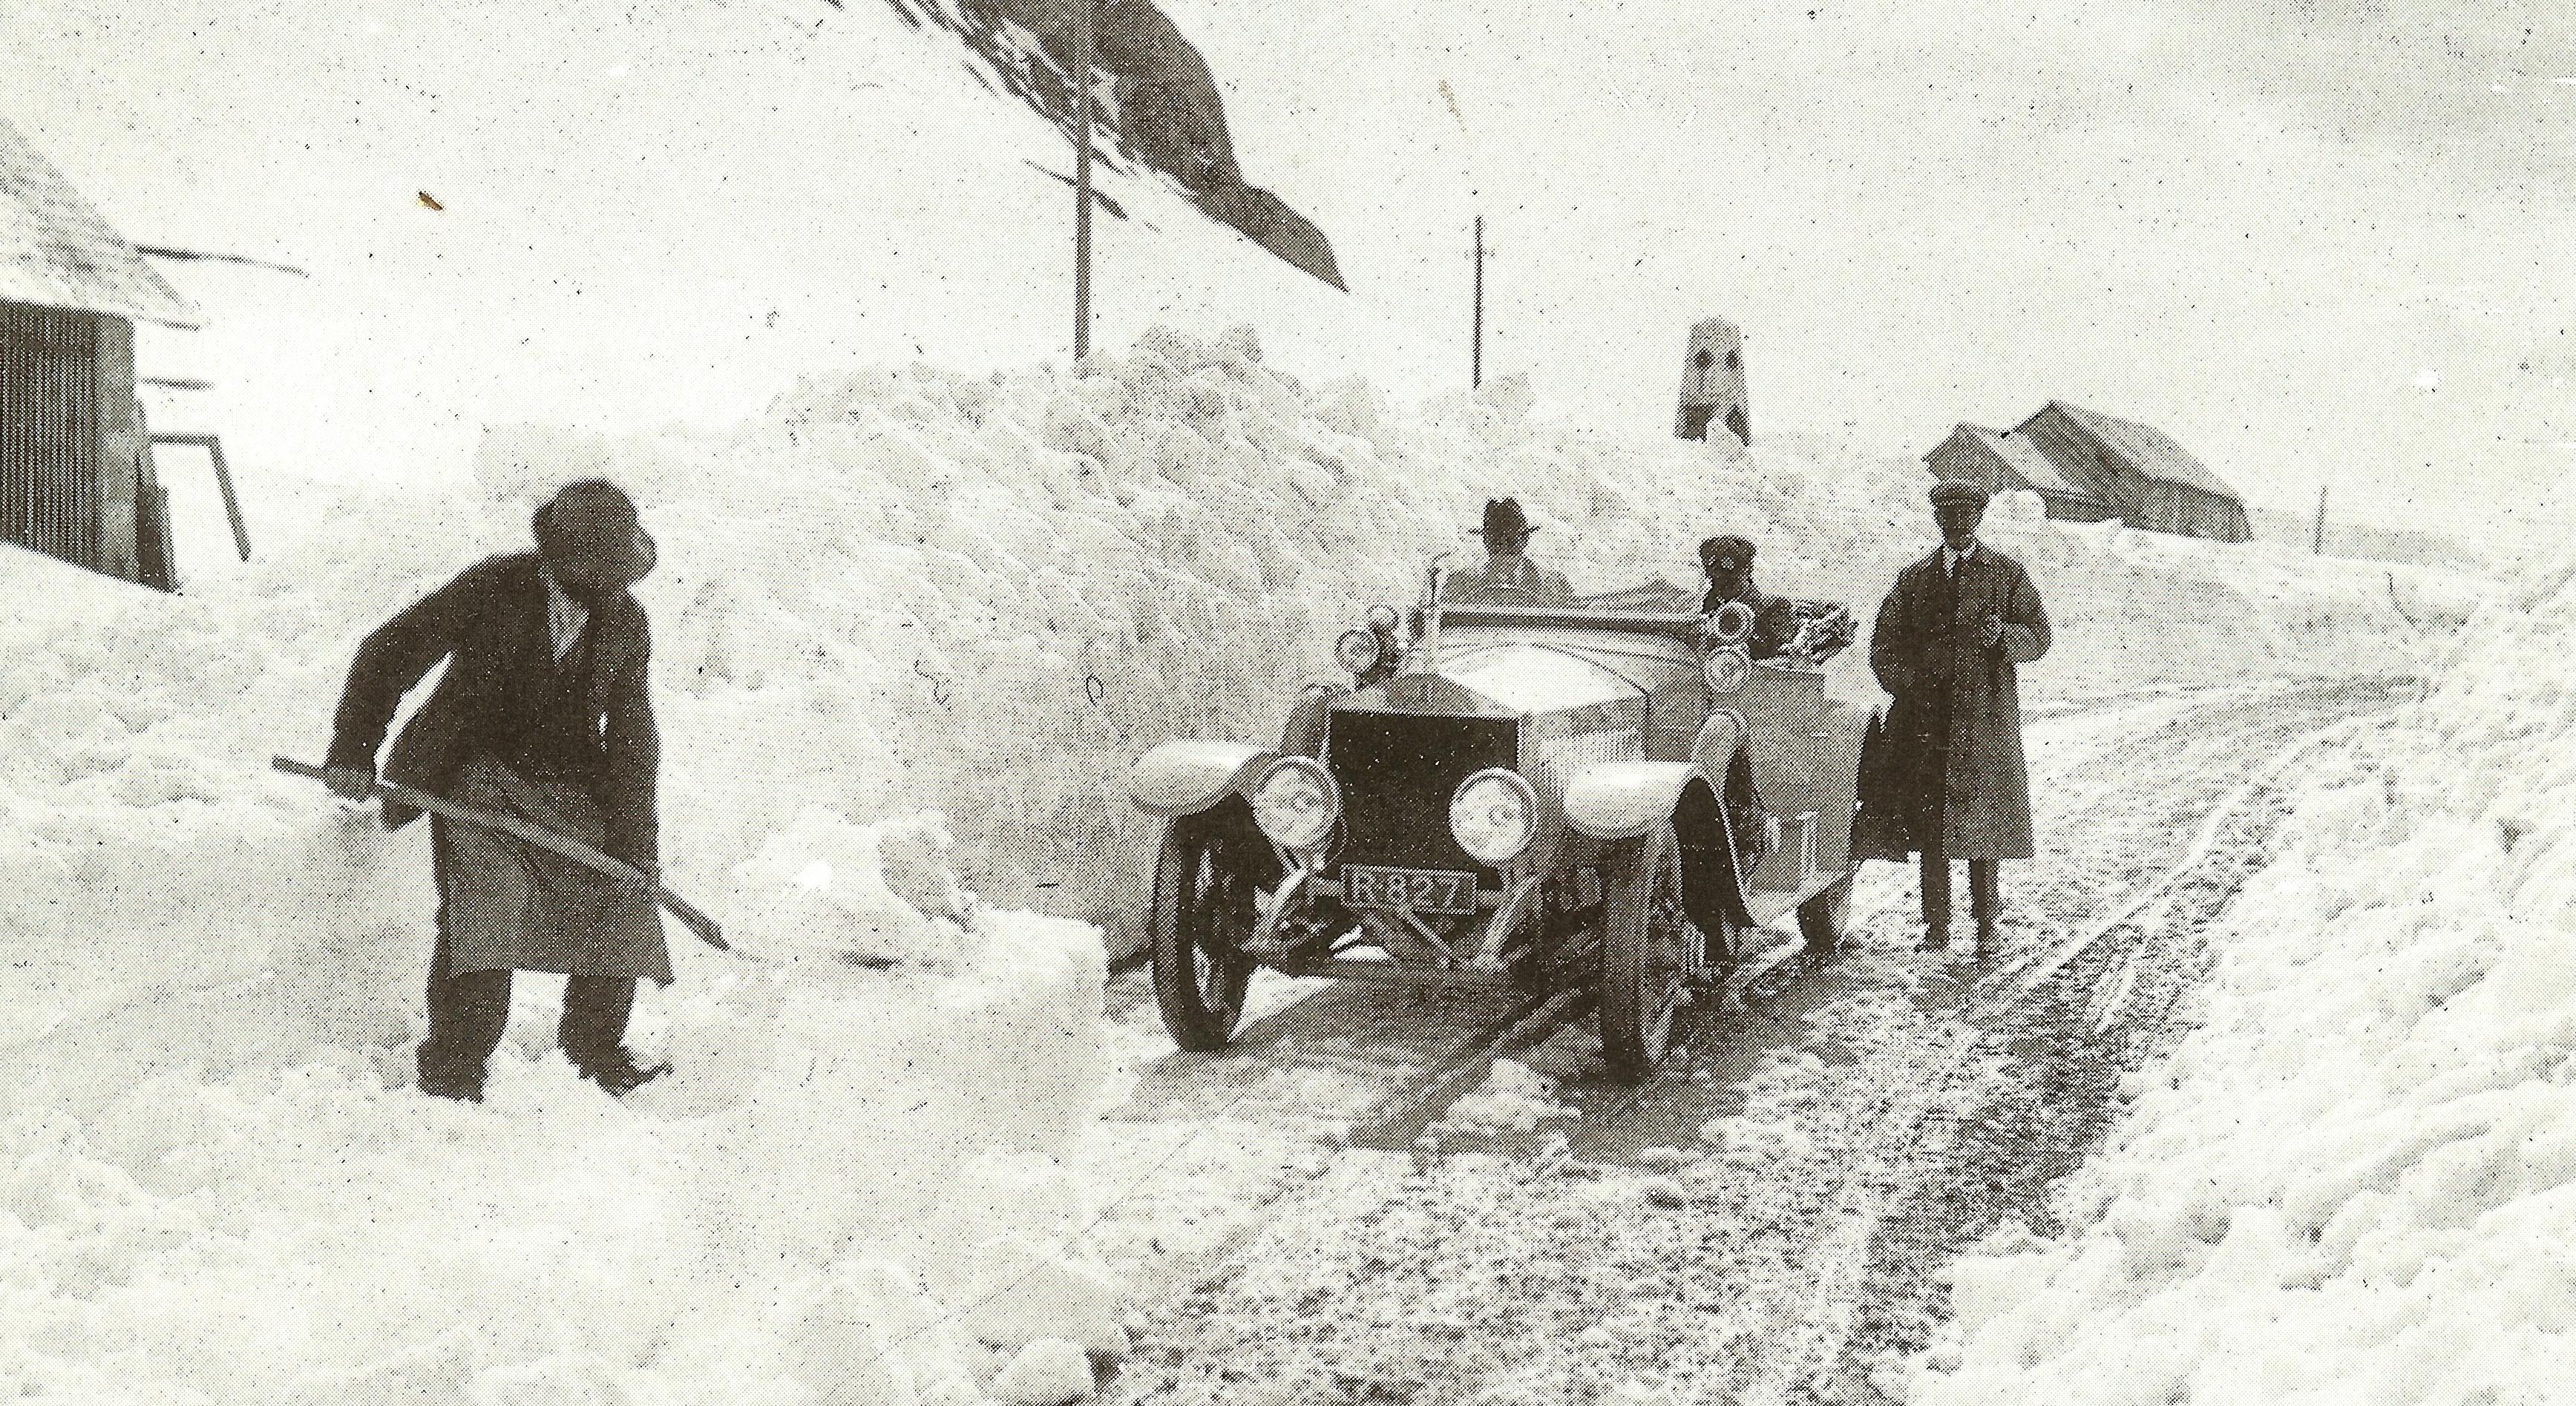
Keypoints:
pixel 1611 793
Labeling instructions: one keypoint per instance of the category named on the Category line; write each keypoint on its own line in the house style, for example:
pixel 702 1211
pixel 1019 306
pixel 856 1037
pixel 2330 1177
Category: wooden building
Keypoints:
pixel 76 478
pixel 2089 467
pixel 1713 390
pixel 2001 461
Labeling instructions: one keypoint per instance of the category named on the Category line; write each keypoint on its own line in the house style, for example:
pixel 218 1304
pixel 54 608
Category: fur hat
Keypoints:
pixel 1727 553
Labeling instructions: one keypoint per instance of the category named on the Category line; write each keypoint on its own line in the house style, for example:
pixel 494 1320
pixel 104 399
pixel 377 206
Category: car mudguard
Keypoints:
pixel 1188 776
pixel 1622 800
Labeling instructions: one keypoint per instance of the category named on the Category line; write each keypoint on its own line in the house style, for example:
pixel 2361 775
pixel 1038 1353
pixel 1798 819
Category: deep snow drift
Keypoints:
pixel 2356 1181
pixel 893 593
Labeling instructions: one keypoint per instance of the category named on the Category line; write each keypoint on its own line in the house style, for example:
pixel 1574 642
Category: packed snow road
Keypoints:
pixel 1319 1215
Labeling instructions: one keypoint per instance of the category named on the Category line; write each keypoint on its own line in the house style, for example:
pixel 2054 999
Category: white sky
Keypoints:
pixel 2321 241
pixel 2317 242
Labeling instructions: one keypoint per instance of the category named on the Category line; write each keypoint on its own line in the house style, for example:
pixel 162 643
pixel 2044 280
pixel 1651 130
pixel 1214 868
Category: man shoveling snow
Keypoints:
pixel 543 717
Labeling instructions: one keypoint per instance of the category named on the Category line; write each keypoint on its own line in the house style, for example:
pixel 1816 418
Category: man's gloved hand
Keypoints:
pixel 350 783
pixel 1992 633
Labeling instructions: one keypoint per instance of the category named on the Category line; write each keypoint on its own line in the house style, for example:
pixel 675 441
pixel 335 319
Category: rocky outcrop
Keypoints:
pixel 1167 112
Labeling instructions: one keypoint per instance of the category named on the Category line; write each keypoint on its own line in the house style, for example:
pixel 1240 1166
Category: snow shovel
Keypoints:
pixel 545 839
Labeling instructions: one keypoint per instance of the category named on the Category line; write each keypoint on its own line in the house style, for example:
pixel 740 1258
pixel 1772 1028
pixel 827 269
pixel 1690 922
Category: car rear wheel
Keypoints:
pixel 1203 910
pixel 1824 918
pixel 1646 948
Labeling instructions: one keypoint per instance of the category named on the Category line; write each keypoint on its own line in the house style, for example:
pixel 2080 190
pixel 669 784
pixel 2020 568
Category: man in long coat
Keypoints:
pixel 543 715
pixel 1947 644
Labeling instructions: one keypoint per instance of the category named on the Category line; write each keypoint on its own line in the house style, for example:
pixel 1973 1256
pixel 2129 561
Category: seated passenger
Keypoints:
pixel 1728 561
pixel 1508 576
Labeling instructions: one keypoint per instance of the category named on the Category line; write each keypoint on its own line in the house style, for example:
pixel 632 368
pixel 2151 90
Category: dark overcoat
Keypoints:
pixel 490 625
pixel 1954 730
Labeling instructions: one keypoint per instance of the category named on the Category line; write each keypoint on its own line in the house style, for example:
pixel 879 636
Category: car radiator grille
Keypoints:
pixel 1397 772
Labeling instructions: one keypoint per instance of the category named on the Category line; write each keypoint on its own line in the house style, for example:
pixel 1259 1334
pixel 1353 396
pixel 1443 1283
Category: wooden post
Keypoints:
pixel 2318 547
pixel 1476 356
pixel 1082 182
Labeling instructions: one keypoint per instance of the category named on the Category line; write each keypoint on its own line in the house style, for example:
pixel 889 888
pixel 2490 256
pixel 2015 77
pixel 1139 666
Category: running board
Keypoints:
pixel 1769 906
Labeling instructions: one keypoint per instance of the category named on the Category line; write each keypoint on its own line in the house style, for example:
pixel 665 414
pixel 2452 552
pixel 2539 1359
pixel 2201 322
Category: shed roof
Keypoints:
pixel 57 251
pixel 2150 450
pixel 2023 457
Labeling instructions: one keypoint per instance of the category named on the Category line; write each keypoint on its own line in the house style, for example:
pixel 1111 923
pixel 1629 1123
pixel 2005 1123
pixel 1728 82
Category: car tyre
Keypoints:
pixel 1647 942
pixel 1202 912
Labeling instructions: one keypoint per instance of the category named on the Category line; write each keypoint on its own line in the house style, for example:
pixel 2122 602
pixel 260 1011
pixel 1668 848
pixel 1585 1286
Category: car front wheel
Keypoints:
pixel 1646 944
pixel 1203 911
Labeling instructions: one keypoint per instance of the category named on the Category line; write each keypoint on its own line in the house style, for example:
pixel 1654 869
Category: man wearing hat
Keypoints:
pixel 1508 576
pixel 543 715
pixel 1947 644
pixel 1728 562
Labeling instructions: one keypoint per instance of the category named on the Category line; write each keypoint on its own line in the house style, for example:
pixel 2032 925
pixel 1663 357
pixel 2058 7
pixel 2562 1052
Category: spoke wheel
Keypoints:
pixel 1203 910
pixel 1648 946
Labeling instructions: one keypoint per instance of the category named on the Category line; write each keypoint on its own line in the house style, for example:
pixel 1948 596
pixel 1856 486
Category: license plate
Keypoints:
pixel 1422 890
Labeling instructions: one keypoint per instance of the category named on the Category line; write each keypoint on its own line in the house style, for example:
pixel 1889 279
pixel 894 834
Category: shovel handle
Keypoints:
pixel 587 856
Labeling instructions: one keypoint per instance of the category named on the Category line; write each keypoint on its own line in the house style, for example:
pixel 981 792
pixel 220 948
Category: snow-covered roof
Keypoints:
pixel 2024 458
pixel 56 250
pixel 2148 449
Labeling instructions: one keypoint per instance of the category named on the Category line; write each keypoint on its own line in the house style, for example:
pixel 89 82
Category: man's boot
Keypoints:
pixel 1936 902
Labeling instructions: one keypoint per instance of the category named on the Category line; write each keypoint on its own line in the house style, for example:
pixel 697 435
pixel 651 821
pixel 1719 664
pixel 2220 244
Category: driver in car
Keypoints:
pixel 1728 562
pixel 1508 576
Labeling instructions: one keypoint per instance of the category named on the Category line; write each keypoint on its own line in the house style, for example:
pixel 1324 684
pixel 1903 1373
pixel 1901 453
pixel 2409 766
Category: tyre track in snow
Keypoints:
pixel 1877 1113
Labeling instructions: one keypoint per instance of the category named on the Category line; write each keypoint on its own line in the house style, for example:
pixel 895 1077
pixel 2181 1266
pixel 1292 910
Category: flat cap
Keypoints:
pixel 1953 492
pixel 1727 553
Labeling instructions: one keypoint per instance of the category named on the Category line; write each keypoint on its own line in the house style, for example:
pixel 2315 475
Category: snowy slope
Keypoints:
pixel 2357 1180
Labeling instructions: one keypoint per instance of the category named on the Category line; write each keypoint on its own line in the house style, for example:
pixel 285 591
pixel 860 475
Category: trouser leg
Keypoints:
pixel 1984 897
pixel 467 1010
pixel 1936 890
pixel 593 1029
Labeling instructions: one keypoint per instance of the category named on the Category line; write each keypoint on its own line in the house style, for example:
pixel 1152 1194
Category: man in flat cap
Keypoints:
pixel 1508 576
pixel 1947 643
pixel 543 715
pixel 1728 563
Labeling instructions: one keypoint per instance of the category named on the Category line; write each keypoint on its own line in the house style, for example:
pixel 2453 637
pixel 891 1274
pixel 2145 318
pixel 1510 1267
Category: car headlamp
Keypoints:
pixel 1357 650
pixel 1728 669
pixel 1734 621
pixel 1296 802
pixel 1494 815
pixel 1381 618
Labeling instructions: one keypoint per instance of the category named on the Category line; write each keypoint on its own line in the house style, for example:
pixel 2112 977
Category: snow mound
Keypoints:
pixel 991 593
pixel 2356 1181
pixel 222 1199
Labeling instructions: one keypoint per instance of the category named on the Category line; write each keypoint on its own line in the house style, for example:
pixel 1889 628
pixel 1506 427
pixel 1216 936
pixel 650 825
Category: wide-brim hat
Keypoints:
pixel 1504 518
pixel 1958 493
pixel 592 526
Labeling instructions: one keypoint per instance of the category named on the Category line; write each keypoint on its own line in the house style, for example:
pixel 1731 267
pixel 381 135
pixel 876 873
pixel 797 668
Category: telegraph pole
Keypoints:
pixel 1082 182
pixel 1476 357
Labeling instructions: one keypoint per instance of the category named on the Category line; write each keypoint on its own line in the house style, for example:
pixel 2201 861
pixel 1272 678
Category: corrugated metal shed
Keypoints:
pixel 2148 449
pixel 57 252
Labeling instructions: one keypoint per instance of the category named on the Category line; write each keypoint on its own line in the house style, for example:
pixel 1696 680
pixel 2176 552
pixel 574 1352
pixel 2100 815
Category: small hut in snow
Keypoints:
pixel 2088 467
pixel 76 478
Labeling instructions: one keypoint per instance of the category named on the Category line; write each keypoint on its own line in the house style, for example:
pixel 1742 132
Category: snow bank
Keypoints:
pixel 990 593
pixel 849 1184
pixel 2356 1181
